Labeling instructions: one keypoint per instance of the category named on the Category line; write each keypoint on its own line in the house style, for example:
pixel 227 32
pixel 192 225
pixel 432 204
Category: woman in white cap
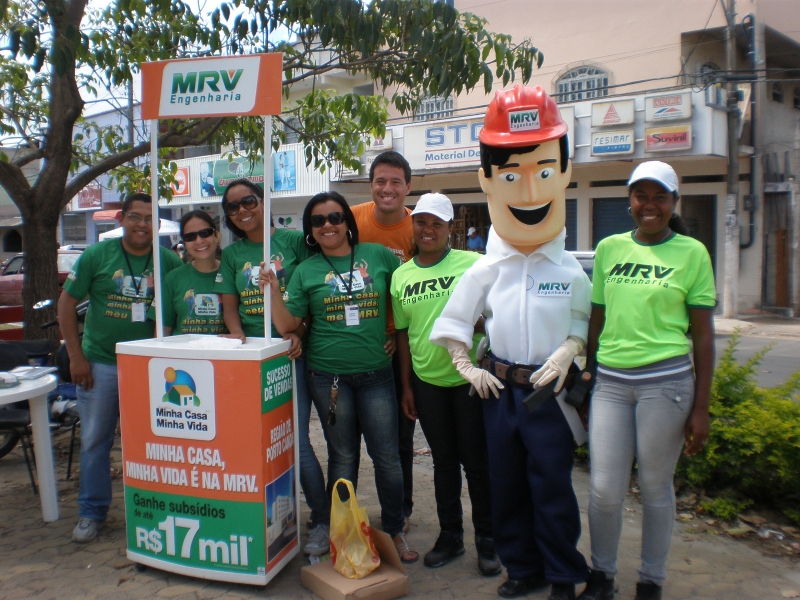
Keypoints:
pixel 434 392
pixel 649 286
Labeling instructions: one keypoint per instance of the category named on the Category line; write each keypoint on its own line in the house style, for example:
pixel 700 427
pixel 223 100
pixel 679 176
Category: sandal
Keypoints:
pixel 407 554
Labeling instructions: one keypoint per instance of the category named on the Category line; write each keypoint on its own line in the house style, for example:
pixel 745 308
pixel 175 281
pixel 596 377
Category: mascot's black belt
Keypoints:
pixel 515 375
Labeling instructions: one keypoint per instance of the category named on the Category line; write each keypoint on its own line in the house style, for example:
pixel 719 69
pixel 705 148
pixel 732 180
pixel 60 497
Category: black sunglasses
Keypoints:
pixel 334 218
pixel 203 233
pixel 248 202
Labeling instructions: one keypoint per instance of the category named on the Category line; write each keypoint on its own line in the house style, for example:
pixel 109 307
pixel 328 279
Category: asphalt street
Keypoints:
pixel 779 363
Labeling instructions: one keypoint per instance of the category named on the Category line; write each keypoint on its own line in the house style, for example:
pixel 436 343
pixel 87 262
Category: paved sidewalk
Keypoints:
pixel 40 561
pixel 759 325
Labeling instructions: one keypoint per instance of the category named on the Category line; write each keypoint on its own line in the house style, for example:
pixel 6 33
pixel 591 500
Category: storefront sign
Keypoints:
pixel 619 112
pixel 181 186
pixel 90 197
pixel 670 106
pixel 605 143
pixel 443 144
pixel 659 139
pixel 215 175
pixel 228 85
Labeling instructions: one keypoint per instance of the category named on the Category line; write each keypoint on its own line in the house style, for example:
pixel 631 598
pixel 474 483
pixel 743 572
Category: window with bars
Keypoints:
pixel 582 83
pixel 292 124
pixel 434 107
pixel 74 228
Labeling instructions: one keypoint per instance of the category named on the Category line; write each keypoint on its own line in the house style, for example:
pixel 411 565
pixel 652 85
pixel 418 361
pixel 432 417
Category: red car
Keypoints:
pixel 14 272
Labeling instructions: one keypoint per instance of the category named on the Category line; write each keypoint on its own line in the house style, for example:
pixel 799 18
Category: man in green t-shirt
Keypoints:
pixel 117 275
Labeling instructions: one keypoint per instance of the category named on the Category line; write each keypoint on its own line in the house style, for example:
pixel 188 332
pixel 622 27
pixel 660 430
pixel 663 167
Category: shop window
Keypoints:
pixel 432 108
pixel 582 83
pixel 74 228
pixel 12 241
pixel 777 92
pixel 796 100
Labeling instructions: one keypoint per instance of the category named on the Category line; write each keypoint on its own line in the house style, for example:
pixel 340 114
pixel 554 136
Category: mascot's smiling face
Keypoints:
pixel 526 196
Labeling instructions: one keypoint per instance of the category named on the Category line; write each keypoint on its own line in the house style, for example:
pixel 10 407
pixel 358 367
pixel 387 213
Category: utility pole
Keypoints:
pixel 731 283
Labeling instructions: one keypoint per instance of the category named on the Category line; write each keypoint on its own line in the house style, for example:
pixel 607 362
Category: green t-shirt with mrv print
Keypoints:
pixel 317 289
pixel 647 291
pixel 103 273
pixel 239 268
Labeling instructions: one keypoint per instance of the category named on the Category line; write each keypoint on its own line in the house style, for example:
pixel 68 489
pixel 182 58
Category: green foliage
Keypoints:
pixel 725 506
pixel 754 446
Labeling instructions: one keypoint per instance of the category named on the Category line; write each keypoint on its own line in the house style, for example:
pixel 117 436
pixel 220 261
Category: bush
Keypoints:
pixel 725 506
pixel 754 446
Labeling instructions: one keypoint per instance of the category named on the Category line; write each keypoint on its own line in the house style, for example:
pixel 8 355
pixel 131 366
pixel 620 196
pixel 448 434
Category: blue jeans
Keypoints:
pixel 99 411
pixel 648 421
pixel 312 480
pixel 366 403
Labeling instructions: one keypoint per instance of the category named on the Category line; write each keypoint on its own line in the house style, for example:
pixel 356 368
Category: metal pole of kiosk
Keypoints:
pixel 267 223
pixel 156 228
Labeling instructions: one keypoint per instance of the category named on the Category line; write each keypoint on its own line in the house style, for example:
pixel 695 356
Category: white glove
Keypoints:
pixel 558 364
pixel 483 381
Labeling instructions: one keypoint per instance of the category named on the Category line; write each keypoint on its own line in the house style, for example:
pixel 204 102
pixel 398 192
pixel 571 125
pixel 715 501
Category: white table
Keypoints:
pixel 35 392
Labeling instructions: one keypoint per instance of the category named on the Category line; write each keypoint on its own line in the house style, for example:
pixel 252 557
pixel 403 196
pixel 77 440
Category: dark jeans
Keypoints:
pixel 452 421
pixel 405 434
pixel 535 515
pixel 366 405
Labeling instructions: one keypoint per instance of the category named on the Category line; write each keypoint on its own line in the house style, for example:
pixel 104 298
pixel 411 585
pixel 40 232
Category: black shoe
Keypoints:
pixel 562 591
pixel 448 546
pixel 646 590
pixel 519 587
pixel 488 561
pixel 598 587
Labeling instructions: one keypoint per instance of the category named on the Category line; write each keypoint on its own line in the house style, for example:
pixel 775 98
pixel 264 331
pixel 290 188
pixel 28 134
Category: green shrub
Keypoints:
pixel 754 446
pixel 725 506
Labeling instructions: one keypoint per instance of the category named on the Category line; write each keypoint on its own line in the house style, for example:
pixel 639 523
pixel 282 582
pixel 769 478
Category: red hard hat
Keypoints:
pixel 521 117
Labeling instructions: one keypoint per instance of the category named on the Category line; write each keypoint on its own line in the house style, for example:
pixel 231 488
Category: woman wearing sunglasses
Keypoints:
pixel 349 367
pixel 189 301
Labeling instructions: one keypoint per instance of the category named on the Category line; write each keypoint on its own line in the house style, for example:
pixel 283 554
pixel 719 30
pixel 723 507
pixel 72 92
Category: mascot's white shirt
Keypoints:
pixel 531 303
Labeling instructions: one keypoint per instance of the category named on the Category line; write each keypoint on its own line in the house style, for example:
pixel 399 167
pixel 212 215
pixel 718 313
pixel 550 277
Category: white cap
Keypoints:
pixel 438 205
pixel 658 171
pixel 471 230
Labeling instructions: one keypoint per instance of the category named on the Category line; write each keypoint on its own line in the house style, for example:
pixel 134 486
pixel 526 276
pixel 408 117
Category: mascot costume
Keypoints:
pixel 536 300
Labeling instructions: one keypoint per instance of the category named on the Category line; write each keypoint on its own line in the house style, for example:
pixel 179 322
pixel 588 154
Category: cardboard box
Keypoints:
pixel 386 582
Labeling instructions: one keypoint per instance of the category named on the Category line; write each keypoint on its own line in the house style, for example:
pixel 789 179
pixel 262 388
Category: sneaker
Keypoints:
pixel 449 545
pixel 86 530
pixel 562 591
pixel 319 541
pixel 598 587
pixel 646 590
pixel 488 561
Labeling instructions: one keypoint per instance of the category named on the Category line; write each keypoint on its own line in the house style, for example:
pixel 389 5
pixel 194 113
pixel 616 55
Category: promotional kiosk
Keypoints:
pixel 210 464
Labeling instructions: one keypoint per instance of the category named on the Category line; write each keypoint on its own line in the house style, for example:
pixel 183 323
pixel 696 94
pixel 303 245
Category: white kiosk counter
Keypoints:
pixel 209 456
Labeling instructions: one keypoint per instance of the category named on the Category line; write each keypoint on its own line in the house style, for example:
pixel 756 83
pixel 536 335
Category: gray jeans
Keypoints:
pixel 646 421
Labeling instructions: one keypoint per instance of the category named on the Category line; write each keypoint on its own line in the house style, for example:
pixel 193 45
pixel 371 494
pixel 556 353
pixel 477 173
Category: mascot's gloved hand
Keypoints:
pixel 558 364
pixel 483 381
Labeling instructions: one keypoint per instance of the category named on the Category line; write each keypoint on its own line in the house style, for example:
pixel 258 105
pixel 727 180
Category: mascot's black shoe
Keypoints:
pixel 513 588
pixel 562 591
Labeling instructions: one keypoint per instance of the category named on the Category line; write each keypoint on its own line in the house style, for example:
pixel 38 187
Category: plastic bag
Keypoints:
pixel 352 549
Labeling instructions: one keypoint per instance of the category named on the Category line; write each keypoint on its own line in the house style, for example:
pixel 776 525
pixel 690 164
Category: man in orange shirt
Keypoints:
pixel 387 221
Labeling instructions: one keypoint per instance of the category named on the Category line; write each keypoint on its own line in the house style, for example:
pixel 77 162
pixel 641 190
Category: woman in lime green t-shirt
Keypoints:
pixel 190 305
pixel 349 361
pixel 434 392
pixel 649 398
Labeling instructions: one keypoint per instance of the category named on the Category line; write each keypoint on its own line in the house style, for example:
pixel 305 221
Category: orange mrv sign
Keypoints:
pixel 228 85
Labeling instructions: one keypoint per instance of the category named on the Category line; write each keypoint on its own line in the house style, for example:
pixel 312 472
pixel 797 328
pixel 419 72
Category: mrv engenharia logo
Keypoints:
pixel 204 86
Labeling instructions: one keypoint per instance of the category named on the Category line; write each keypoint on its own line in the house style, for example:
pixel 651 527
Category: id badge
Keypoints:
pixel 137 312
pixel 351 314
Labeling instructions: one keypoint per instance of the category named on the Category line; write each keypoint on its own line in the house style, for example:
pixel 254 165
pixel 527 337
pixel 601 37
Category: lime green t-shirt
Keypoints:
pixel 646 291
pixel 103 273
pixel 189 304
pixel 316 289
pixel 419 294
pixel 238 273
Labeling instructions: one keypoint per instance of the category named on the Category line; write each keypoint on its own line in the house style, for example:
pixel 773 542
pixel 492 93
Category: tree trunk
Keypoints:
pixel 41 274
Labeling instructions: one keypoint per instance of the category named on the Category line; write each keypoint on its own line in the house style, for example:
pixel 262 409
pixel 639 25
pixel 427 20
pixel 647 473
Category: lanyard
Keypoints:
pixel 349 283
pixel 130 268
